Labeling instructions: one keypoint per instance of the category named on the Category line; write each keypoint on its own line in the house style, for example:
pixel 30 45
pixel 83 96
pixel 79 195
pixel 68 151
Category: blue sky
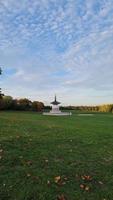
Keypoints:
pixel 62 47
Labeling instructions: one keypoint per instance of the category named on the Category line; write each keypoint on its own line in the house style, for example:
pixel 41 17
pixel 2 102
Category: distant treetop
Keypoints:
pixel 0 70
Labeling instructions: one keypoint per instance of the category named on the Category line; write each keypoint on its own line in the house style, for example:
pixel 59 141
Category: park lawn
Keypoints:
pixel 43 157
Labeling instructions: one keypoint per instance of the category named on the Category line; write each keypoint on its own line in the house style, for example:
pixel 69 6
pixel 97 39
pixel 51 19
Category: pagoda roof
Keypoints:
pixel 55 102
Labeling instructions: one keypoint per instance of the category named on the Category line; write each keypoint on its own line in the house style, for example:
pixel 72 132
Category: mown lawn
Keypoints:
pixel 50 158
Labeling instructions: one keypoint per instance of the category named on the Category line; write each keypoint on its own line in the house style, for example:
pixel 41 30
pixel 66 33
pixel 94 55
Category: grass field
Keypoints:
pixel 50 158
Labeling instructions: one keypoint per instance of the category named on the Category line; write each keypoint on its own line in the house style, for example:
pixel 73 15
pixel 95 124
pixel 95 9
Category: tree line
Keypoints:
pixel 99 108
pixel 8 103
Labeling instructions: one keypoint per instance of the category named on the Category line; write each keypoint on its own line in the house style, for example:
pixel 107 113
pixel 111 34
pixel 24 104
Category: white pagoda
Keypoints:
pixel 56 110
pixel 55 107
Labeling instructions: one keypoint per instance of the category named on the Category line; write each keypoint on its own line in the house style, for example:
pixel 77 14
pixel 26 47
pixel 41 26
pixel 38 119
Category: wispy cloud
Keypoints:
pixel 57 46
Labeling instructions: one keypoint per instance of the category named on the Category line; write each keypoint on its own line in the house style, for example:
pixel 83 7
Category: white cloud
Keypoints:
pixel 40 38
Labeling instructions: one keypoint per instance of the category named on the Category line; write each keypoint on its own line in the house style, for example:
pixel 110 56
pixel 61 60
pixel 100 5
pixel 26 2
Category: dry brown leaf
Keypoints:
pixel 88 178
pixel 61 197
pixel 57 179
pixel 82 186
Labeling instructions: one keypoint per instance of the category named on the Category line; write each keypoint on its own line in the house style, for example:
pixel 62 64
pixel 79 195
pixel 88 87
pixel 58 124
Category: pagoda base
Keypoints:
pixel 57 114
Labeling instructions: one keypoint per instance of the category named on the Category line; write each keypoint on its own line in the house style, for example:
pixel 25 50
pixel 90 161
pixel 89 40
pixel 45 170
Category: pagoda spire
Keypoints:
pixel 55 97
pixel 55 102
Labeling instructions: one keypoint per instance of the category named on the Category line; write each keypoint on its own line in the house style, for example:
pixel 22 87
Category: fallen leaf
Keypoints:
pixel 48 183
pixel 28 175
pixel 83 178
pixel 29 162
pixel 57 179
pixel 1 150
pixel 87 188
pixel 61 197
pixel 61 182
pixel 88 178
pixel 18 136
pixel 65 178
pixel 82 186
pixel 100 182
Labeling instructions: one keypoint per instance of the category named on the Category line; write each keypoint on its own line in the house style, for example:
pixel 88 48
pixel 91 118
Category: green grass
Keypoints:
pixel 34 149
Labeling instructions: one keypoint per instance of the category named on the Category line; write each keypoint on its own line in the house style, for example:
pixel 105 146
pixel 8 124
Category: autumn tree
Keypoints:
pixel 24 104
pixel 106 108
pixel 37 106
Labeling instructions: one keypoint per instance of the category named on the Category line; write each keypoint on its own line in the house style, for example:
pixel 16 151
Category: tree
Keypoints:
pixel 24 104
pixel 7 102
pixel 1 95
pixel 106 108
pixel 37 106
pixel 15 104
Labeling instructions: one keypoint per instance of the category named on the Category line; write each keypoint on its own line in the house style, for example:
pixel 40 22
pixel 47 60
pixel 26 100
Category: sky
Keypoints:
pixel 62 47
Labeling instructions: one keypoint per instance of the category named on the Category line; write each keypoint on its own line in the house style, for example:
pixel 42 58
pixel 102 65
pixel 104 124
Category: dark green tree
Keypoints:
pixel 7 102
pixel 0 88
pixel 24 104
